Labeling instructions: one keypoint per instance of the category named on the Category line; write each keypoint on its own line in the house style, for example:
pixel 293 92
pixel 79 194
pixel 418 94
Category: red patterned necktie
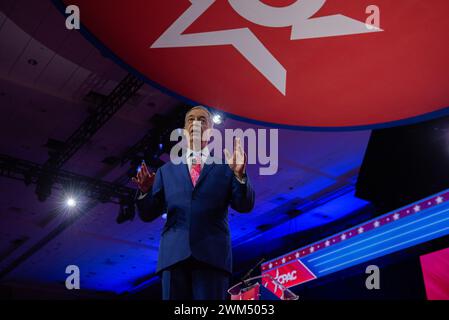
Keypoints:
pixel 195 169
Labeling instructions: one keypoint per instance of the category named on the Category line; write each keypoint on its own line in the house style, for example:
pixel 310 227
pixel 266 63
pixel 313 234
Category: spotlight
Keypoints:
pixel 217 118
pixel 70 202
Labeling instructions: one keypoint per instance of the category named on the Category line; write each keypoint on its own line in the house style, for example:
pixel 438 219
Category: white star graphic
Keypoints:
pixel 439 200
pixel 416 208
pixel 343 237
pixel 297 255
pixel 396 216
pixel 376 224
pixel 312 249
pixel 283 260
pixel 276 277
pixel 248 44
pixel 327 243
pixel 360 230
pixel 270 265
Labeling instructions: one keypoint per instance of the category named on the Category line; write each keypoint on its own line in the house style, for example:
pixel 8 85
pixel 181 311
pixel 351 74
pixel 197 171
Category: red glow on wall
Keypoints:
pixel 435 268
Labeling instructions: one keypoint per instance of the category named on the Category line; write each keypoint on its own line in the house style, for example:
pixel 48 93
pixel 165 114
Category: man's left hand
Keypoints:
pixel 236 161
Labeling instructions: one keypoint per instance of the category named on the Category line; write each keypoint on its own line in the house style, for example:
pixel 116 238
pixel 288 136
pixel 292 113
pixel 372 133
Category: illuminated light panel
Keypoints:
pixel 408 226
pixel 71 203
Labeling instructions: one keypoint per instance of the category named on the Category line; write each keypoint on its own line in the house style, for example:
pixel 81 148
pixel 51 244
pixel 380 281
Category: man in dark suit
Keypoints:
pixel 195 253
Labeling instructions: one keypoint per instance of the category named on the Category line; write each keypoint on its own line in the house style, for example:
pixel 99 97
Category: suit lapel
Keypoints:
pixel 184 170
pixel 204 171
pixel 185 173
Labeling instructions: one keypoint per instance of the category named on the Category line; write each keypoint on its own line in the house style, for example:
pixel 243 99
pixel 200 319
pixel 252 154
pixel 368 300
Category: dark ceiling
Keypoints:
pixel 46 73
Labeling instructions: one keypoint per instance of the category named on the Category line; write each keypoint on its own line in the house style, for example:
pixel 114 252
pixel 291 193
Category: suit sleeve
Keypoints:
pixel 242 195
pixel 152 204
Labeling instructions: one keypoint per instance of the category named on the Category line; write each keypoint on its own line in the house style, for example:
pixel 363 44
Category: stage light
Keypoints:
pixel 71 203
pixel 217 118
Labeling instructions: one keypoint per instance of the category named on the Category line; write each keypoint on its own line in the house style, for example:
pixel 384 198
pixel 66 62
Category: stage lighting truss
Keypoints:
pixel 31 172
pixel 126 89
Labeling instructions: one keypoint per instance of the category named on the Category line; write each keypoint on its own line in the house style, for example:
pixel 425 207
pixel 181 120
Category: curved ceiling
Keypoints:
pixel 45 74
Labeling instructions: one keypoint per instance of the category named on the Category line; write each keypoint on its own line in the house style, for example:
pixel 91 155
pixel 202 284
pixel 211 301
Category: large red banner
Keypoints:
pixel 312 63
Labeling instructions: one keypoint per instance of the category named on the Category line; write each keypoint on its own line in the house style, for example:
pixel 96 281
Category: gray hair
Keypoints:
pixel 201 108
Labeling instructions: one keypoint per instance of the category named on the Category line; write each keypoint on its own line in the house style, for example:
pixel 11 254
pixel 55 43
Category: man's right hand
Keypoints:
pixel 144 179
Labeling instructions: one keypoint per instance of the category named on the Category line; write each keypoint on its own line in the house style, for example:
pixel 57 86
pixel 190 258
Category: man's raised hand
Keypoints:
pixel 144 179
pixel 236 161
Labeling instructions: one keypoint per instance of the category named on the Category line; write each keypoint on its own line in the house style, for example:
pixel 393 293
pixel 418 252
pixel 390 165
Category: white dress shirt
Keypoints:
pixel 191 155
pixel 204 153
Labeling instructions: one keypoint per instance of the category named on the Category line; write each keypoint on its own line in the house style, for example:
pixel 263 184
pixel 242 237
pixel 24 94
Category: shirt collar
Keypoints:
pixel 204 153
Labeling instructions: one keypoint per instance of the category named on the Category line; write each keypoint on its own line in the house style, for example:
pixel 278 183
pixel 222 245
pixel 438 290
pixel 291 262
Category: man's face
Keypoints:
pixel 197 116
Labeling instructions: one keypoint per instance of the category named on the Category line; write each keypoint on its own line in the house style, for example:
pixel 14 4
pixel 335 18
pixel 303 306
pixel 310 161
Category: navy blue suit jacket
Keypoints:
pixel 197 217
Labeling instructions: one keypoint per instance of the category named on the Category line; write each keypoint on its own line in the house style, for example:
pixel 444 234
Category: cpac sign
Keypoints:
pixel 308 63
pixel 288 275
pixel 285 277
